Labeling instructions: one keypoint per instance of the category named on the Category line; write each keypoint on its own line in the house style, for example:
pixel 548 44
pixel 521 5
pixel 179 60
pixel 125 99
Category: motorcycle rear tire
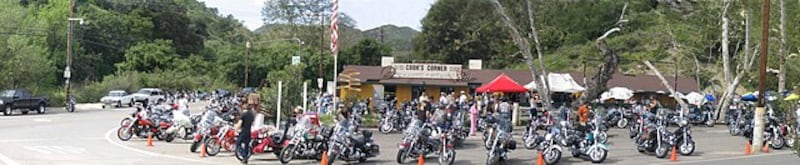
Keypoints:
pixel 777 143
pixel 622 123
pixel 170 137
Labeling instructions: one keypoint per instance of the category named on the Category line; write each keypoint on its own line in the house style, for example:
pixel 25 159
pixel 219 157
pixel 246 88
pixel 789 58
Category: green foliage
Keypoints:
pixel 149 57
pixel 292 85
pixel 365 52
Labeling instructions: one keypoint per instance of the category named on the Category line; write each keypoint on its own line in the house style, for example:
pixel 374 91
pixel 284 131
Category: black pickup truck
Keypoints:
pixel 23 100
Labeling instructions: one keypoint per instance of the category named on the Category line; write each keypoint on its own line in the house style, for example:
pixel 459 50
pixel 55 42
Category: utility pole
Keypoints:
pixel 321 47
pixel 67 72
pixel 246 63
pixel 758 130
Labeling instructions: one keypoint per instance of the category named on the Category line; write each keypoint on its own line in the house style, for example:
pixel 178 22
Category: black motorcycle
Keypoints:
pixel 347 146
pixel 654 138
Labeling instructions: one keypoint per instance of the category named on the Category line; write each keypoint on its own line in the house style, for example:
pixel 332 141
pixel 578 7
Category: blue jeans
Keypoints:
pixel 243 146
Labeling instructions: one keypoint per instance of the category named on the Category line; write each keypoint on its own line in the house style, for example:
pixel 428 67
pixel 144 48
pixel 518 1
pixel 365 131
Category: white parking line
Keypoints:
pixel 108 138
pixel 6 160
pixel 736 157
pixel 47 139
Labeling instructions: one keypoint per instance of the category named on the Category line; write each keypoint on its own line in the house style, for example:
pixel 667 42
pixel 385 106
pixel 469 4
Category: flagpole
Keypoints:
pixel 335 50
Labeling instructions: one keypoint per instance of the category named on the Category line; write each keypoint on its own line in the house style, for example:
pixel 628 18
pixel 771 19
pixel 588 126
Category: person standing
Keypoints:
pixel 473 115
pixel 244 126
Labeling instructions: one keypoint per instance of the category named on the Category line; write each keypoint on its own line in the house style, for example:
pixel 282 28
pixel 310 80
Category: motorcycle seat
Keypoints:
pixel 358 140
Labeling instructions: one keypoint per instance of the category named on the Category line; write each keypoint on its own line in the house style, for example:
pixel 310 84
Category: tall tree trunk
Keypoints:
pixel 782 50
pixel 726 62
pixel 535 36
pixel 697 71
pixel 600 79
pixel 672 91
pixel 525 47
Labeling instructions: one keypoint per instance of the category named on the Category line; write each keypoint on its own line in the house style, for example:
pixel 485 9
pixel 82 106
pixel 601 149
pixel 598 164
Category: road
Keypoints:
pixel 87 136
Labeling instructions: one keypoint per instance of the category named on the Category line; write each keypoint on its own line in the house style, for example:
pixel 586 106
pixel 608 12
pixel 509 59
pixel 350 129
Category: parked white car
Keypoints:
pixel 149 95
pixel 117 98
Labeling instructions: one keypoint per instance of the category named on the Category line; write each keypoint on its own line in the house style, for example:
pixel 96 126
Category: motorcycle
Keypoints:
pixel 347 146
pixel 263 142
pixel 501 143
pixel 653 138
pixel 143 123
pixel 307 140
pixel 775 132
pixel 550 149
pixel 530 137
pixel 682 139
pixel 392 120
pixel 735 120
pixel 701 115
pixel 618 116
pixel 597 124
pixel 591 146
pixel 224 138
pixel 415 141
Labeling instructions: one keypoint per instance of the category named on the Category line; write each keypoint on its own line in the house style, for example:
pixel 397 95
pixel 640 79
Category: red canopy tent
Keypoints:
pixel 502 83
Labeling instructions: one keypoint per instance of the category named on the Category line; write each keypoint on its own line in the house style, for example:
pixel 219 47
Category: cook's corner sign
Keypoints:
pixel 430 71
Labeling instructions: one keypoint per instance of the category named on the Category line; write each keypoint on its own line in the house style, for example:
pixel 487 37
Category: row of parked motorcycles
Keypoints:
pixel 560 134
pixel 777 129
pixel 423 138
pixel 302 137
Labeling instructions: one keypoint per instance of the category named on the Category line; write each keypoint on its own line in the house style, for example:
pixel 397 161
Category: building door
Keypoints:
pixel 417 91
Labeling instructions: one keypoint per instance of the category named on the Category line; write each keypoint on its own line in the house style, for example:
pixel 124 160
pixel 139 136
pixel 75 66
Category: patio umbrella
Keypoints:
pixel 695 98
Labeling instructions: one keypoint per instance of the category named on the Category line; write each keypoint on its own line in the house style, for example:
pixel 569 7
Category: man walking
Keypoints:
pixel 244 125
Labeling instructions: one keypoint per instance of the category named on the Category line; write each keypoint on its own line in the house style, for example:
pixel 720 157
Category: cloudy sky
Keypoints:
pixel 368 13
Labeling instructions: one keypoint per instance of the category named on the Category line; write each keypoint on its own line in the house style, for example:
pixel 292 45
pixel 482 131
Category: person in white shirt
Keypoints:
pixel 463 98
pixel 443 99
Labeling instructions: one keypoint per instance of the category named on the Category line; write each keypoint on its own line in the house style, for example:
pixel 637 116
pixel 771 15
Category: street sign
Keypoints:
pixel 67 73
pixel 319 83
pixel 295 60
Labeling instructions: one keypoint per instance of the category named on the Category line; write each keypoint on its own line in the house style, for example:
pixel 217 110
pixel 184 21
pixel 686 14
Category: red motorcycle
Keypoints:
pixel 224 138
pixel 136 124
pixel 262 142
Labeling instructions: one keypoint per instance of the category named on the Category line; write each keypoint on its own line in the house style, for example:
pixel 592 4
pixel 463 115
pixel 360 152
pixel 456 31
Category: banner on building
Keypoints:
pixel 428 71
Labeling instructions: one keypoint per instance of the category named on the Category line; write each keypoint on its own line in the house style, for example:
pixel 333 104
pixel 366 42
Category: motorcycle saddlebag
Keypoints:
pixel 511 145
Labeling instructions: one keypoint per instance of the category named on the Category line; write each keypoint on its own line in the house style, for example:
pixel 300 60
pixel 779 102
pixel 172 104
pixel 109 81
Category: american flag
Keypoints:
pixel 335 28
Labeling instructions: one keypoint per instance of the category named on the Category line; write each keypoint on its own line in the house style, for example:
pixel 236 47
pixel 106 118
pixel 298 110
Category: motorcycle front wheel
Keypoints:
pixel 734 130
pixel 448 157
pixel 622 123
pixel 598 155
pixel 213 146
pixel 552 156
pixel 661 152
pixel 709 123
pixel 686 148
pixel 287 154
pixel 401 156
pixel 602 137
pixel 124 133
pixel 386 127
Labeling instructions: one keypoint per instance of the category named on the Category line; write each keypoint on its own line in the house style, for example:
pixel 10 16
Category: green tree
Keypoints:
pixel 152 56
pixel 365 52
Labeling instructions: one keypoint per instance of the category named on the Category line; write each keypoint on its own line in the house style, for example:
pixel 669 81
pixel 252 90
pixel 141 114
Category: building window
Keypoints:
pixel 447 90
pixel 389 91
pixel 416 91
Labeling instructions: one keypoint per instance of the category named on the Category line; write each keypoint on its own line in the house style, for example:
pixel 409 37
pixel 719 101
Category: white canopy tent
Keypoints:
pixel 617 93
pixel 559 82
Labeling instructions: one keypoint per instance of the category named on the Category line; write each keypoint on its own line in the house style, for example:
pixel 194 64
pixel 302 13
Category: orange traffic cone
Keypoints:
pixel 203 150
pixel 766 148
pixel 421 160
pixel 674 155
pixel 150 140
pixel 324 158
pixel 540 160
pixel 747 149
